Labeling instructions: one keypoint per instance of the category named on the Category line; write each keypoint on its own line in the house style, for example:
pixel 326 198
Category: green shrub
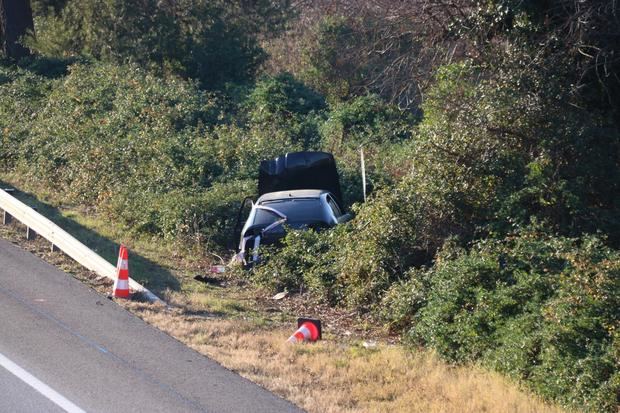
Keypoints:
pixel 365 120
pixel 302 264
pixel 152 153
pixel 403 300
pixel 382 130
pixel 24 96
pixel 542 309
pixel 136 147
pixel 105 125
pixel 389 235
pixel 214 42
pixel 285 104
pixel 497 150
pixel 321 58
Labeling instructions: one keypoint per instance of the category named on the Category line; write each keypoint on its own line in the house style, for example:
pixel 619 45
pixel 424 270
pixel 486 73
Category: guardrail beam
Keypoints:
pixel 61 240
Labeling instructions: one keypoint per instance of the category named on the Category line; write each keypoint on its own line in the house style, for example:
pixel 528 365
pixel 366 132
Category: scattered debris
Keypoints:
pixel 217 269
pixel 209 280
pixel 370 345
pixel 280 296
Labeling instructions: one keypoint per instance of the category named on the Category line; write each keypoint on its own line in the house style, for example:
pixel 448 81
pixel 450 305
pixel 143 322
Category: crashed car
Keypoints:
pixel 299 190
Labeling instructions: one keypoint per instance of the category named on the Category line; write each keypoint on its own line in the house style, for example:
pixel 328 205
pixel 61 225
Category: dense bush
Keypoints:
pixel 23 95
pixel 540 308
pixel 155 153
pixel 301 264
pixel 322 52
pixel 496 151
pixel 284 103
pixel 103 125
pixel 380 129
pixel 212 41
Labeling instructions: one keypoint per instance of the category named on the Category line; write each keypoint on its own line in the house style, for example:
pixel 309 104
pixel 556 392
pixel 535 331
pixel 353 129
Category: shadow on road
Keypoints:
pixel 148 273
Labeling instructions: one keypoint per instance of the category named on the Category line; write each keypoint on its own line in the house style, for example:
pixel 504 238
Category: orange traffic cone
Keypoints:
pixel 121 284
pixel 308 330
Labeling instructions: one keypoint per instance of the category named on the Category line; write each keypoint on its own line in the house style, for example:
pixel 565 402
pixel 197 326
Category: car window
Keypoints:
pixel 334 206
pixel 298 211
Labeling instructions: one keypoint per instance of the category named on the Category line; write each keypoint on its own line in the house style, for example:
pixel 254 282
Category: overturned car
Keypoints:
pixel 299 190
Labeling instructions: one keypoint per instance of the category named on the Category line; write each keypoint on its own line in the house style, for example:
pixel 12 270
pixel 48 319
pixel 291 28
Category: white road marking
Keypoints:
pixel 39 386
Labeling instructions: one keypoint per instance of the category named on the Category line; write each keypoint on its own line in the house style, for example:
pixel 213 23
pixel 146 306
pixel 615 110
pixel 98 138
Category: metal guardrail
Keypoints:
pixel 60 239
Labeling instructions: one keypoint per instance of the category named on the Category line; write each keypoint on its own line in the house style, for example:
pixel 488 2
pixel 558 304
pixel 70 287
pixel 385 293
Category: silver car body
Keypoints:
pixel 298 209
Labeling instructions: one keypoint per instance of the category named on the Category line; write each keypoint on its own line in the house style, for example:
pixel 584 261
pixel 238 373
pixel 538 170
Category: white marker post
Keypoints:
pixel 363 171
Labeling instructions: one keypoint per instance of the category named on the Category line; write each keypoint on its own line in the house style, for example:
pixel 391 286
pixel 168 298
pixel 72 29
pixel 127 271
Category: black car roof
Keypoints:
pixel 300 170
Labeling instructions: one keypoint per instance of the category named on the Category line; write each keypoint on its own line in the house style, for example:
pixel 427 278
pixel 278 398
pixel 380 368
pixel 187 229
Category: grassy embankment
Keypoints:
pixel 240 328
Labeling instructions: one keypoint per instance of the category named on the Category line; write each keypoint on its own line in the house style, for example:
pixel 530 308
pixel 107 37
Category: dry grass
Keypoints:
pixel 337 374
pixel 333 376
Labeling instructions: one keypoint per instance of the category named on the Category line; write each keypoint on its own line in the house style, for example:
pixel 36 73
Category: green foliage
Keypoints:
pixel 380 129
pixel 494 154
pixel 24 94
pixel 301 264
pixel 557 30
pixel 103 121
pixel 134 146
pixel 365 120
pixel 281 97
pixel 284 103
pixel 540 308
pixel 378 246
pixel 403 300
pixel 213 42
pixel 44 7
pixel 322 59
pixel 156 154
pixel 206 217
pixel 237 151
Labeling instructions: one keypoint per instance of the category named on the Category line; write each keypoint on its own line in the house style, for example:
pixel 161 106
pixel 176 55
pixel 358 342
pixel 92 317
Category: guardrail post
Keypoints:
pixel 30 234
pixel 6 218
pixel 54 248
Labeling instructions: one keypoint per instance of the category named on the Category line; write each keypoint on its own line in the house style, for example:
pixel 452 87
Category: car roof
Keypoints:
pixel 297 193
pixel 299 170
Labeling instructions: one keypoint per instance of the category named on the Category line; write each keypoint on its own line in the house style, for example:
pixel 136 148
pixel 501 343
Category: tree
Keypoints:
pixel 212 41
pixel 15 22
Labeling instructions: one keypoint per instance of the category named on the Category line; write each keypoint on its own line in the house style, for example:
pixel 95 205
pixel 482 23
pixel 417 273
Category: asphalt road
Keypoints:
pixel 64 347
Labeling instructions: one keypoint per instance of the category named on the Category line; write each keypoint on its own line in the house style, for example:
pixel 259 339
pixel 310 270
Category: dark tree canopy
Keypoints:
pixel 15 22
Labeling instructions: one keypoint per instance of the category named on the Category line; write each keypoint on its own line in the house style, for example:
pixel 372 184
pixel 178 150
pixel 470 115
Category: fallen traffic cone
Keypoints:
pixel 308 330
pixel 121 284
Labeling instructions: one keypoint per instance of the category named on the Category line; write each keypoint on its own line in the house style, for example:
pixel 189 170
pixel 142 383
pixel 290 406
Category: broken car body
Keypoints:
pixel 299 190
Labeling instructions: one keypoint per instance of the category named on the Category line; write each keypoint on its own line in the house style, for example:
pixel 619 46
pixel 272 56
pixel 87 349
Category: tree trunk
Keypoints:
pixel 15 22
